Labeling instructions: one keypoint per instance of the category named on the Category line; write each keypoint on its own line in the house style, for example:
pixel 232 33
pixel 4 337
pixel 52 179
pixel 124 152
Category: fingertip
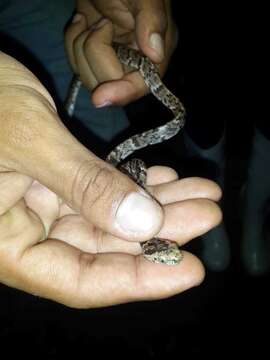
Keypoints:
pixel 152 46
pixel 117 93
pixel 106 94
pixel 219 215
pixel 157 46
pixel 212 219
pixel 151 26
pixel 217 191
pixel 171 279
pixel 212 190
pixel 212 216
pixel 196 272
pixel 160 175
pixel 197 187
pixel 138 217
pixel 120 92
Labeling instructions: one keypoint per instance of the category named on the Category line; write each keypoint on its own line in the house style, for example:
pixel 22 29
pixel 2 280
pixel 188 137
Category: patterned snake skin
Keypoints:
pixel 156 250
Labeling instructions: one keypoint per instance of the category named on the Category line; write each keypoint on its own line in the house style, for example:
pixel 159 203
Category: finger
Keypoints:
pixel 58 271
pixel 151 25
pixel 160 174
pixel 120 92
pixel 100 54
pixel 185 189
pixel 183 221
pixel 13 187
pixel 188 219
pixel 55 270
pixel 83 68
pixel 126 278
pixel 76 231
pixel 75 28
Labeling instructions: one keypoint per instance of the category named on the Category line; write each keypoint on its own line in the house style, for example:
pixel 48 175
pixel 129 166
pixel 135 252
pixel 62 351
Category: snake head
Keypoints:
pixel 162 251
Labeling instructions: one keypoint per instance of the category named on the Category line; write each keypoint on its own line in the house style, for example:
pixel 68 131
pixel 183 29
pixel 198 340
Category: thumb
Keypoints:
pixel 151 26
pixel 47 152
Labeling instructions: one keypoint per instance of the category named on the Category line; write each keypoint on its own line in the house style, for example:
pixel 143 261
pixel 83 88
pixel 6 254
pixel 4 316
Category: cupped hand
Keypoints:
pixel 52 251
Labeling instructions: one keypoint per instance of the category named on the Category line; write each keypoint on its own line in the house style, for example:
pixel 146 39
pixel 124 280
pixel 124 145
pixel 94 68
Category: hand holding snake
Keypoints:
pixel 56 252
pixel 143 24
pixel 101 32
pixel 59 252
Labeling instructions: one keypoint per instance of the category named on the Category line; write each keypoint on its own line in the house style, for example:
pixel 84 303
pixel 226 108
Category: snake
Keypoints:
pixel 156 250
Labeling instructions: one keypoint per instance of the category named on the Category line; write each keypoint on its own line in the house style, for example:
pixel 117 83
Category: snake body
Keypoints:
pixel 156 250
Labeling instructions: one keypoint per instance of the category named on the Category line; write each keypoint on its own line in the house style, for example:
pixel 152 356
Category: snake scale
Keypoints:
pixel 156 250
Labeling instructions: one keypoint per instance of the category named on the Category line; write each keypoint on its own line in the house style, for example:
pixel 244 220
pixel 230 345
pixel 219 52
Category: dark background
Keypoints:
pixel 229 311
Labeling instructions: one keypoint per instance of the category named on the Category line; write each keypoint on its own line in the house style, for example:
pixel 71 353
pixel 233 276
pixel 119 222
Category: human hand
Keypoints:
pixel 144 24
pixel 66 236
pixel 49 250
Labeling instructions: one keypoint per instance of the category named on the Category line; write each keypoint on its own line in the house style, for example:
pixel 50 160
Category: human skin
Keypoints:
pixel 60 233
pixel 146 25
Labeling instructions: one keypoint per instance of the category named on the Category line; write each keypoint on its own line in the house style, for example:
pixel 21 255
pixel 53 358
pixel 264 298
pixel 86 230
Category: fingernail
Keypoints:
pixel 157 44
pixel 138 213
pixel 104 104
pixel 76 18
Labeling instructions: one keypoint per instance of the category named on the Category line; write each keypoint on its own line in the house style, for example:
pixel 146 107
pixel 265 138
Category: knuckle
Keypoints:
pixel 93 186
pixel 100 186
